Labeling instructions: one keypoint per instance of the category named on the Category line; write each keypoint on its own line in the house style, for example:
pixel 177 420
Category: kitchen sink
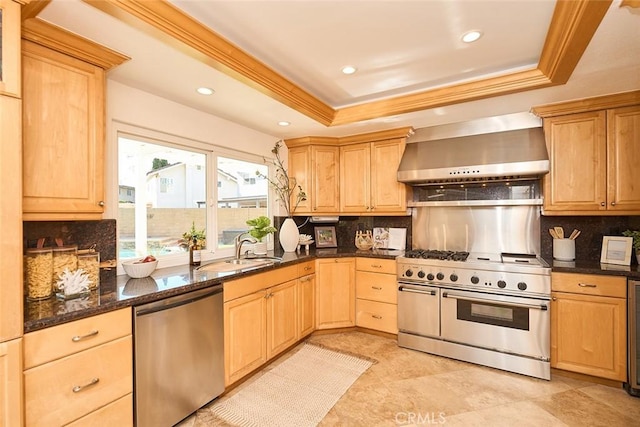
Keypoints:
pixel 241 264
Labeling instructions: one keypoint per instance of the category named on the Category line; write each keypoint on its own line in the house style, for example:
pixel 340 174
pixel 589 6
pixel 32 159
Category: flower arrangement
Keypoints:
pixel 260 227
pixel 194 236
pixel 284 185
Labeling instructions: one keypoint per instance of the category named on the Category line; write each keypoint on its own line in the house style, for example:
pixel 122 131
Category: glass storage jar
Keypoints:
pixel 38 270
pixel 90 263
pixel 64 257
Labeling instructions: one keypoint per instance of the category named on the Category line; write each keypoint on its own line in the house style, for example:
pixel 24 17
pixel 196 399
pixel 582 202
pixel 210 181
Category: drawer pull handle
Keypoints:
pixel 82 337
pixel 79 388
pixel 586 285
pixel 305 279
pixel 376 266
pixel 307 268
pixel 375 316
pixel 377 288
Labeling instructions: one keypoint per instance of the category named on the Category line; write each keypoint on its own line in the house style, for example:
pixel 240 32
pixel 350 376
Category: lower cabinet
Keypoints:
pixel 264 315
pixel 588 325
pixel 335 287
pixel 11 383
pixel 76 370
pixel 376 295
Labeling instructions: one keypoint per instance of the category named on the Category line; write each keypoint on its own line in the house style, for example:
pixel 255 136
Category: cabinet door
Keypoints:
pixel 355 178
pixel 282 319
pixel 588 335
pixel 577 153
pixel 299 159
pixel 63 125
pixel 11 383
pixel 325 164
pixel 11 319
pixel 10 48
pixel 244 335
pixel 335 293
pixel 623 129
pixel 387 194
pixel 306 305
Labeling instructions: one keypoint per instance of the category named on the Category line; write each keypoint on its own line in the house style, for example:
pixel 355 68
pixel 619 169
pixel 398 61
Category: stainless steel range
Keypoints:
pixel 489 309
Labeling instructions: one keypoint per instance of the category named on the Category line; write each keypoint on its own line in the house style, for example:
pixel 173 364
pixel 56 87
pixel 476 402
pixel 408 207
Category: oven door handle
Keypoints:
pixel 542 307
pixel 416 291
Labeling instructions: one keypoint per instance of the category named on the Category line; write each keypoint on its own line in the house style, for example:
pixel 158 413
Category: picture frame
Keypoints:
pixel 616 250
pixel 326 237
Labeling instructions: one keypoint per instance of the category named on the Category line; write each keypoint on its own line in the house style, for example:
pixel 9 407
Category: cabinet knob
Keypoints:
pixel 602 204
pixel 613 203
pixel 554 299
pixel 101 203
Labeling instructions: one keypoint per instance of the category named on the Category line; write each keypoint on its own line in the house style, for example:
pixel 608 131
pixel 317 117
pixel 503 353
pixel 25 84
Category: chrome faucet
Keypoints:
pixel 238 243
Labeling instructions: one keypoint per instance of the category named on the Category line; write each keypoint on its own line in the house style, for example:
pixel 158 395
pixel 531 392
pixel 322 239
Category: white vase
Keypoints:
pixel 289 235
pixel 260 248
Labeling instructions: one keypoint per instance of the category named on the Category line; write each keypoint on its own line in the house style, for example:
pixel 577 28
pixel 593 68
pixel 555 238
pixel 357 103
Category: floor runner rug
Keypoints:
pixel 297 392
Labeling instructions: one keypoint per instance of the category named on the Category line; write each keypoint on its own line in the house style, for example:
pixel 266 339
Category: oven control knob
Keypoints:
pixel 421 274
pixel 502 284
pixel 430 276
pixel 454 277
pixel 522 286
pixel 408 273
pixel 440 276
pixel 475 280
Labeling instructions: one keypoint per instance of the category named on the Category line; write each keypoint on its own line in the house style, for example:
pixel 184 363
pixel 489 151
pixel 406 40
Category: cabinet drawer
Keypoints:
pixel 376 287
pixel 118 413
pixel 589 284
pixel 306 268
pixel 377 315
pixel 249 285
pixel 62 340
pixel 376 265
pixel 53 393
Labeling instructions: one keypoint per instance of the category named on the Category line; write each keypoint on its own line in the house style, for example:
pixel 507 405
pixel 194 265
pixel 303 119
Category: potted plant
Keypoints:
pixel 636 241
pixel 260 228
pixel 290 194
pixel 194 241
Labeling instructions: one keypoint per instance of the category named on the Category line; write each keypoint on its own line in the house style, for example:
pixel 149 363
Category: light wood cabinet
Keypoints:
pixel 335 293
pixel 588 325
pixel 307 305
pixel 376 295
pixel 282 317
pixel 316 168
pixel 368 178
pixel 11 383
pixel 10 48
pixel 76 368
pixel 593 155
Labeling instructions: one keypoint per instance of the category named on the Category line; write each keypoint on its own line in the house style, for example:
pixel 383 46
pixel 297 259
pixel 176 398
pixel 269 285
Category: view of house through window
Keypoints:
pixel 161 193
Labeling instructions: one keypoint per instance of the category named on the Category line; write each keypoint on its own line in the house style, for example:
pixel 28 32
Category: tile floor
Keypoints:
pixel 410 388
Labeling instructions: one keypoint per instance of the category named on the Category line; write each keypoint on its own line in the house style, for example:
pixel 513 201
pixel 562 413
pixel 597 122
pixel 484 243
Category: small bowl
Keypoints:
pixel 138 270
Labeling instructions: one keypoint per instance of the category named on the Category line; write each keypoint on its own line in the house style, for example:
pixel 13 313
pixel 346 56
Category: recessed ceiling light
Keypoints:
pixel 349 69
pixel 471 36
pixel 283 123
pixel 204 91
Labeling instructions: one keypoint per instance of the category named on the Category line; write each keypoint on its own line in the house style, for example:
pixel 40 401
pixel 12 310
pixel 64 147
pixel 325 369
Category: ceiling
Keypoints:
pixel 271 60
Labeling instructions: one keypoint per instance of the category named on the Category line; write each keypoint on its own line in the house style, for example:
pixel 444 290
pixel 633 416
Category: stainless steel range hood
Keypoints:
pixel 492 149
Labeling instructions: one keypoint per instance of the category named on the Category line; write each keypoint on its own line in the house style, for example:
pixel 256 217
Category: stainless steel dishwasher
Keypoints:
pixel 179 356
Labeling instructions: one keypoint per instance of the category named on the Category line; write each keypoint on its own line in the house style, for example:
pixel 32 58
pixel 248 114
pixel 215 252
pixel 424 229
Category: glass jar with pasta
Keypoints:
pixel 38 270
pixel 90 263
pixel 64 257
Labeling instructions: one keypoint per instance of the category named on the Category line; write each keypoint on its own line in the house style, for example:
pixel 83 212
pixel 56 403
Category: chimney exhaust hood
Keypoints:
pixel 503 148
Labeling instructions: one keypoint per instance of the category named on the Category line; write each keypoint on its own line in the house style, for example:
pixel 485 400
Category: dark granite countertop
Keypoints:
pixel 595 267
pixel 122 291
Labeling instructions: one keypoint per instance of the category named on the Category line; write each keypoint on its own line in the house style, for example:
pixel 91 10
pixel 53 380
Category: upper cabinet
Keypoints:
pixel 63 123
pixel 351 175
pixel 9 48
pixel 594 150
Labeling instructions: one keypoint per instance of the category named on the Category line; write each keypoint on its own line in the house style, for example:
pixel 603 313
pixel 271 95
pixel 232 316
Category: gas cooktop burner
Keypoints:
pixel 435 254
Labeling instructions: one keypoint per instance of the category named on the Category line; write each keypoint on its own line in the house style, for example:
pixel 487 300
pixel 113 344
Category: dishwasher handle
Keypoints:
pixel 177 301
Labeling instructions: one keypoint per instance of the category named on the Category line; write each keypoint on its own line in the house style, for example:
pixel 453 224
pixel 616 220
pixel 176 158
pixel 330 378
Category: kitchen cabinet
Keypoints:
pixel 335 288
pixel 261 319
pixel 593 159
pixel 376 295
pixel 315 168
pixel 588 324
pixel 77 368
pixel 10 48
pixel 11 383
pixel 306 299
pixel 368 178
pixel 63 123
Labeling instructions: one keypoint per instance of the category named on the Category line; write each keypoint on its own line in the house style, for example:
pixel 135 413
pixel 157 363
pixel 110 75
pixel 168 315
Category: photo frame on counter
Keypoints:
pixel 326 237
pixel 616 250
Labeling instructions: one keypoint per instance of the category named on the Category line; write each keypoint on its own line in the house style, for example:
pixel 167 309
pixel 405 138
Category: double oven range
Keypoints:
pixel 489 309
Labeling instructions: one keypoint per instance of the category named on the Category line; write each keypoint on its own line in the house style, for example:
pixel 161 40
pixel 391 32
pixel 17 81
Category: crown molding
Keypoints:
pixel 623 99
